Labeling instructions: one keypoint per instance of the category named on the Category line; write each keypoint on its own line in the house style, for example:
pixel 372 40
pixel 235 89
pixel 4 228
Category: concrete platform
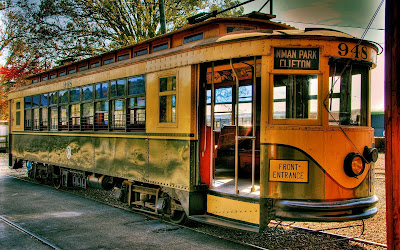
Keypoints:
pixel 72 222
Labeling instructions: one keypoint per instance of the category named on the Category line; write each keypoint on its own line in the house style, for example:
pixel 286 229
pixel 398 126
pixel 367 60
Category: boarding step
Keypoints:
pixel 214 220
pixel 235 208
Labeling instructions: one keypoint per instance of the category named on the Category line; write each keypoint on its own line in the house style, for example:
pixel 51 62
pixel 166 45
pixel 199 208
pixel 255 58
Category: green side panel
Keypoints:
pixel 86 153
pixel 169 163
pixel 314 189
pixel 121 157
pixel 137 157
pixel 163 162
pixel 56 150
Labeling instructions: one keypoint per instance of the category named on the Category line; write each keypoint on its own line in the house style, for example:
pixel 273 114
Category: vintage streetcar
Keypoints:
pixel 234 121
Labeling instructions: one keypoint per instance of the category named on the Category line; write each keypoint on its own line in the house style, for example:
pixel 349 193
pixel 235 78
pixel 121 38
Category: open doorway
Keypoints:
pixel 230 117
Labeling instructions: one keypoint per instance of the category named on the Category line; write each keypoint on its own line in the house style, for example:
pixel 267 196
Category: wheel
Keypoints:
pixel 56 177
pixel 179 217
pixel 57 183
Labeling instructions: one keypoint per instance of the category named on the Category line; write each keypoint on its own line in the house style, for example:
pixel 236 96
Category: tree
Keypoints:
pixel 38 35
pixel 59 30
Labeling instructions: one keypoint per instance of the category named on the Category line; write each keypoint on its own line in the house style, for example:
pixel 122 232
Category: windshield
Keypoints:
pixel 348 93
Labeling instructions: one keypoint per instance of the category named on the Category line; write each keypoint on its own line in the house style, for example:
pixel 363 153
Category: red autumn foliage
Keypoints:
pixel 17 72
pixel 12 77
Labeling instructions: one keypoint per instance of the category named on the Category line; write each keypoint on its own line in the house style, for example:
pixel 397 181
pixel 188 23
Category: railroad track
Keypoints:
pixel 27 232
pixel 231 235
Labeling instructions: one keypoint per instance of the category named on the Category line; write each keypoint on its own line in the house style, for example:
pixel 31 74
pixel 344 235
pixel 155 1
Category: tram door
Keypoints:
pixel 229 131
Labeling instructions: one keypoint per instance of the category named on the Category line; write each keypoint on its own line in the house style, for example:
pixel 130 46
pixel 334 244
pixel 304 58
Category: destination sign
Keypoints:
pixel 296 58
pixel 288 171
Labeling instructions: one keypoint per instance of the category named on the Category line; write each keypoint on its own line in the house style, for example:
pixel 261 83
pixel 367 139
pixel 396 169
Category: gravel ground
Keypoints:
pixel 276 237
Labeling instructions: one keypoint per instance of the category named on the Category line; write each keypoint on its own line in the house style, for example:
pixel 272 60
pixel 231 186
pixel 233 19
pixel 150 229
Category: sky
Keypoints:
pixel 349 16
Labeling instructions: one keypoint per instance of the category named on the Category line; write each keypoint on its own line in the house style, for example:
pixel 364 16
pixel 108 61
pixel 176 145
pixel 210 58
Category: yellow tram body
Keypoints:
pixel 288 145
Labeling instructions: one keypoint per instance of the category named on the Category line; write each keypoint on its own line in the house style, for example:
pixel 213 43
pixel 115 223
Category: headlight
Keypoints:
pixel 354 165
pixel 370 154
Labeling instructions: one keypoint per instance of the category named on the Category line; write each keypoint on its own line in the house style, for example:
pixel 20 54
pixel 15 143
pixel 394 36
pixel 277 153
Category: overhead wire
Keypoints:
pixel 340 76
pixel 331 25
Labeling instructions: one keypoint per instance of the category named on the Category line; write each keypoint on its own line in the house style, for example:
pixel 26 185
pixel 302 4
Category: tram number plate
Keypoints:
pixel 288 171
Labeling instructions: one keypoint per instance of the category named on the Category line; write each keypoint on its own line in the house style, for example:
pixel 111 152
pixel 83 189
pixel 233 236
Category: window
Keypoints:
pixel 36 119
pixel 75 95
pixel 53 118
pixel 53 98
pixel 44 122
pixel 35 111
pixel 141 52
pixel 223 107
pixel 192 38
pixel 95 65
pixel 87 93
pixel 71 71
pixel 43 99
pixel 137 102
pixel 137 112
pixel 101 116
pixel 123 57
pixel 160 47
pixel 44 117
pixel 28 102
pixel 28 119
pixel 62 73
pixel 102 90
pixel 44 78
pixel 35 80
pixel 35 101
pixel 108 61
pixel 63 121
pixel 348 86
pixel 233 29
pixel 28 113
pixel 83 68
pixel 63 96
pixel 53 76
pixel 87 116
pixel 295 97
pixel 53 110
pixel 18 114
pixel 118 114
pixel 168 99
pixel 137 85
pixel 75 117
pixel 118 87
pixel 245 105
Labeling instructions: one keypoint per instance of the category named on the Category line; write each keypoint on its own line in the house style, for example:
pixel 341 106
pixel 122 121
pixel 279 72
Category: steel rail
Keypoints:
pixel 19 228
pixel 357 239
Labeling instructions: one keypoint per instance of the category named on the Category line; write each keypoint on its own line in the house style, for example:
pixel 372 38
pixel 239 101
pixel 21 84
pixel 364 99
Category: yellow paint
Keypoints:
pixel 13 115
pixel 288 171
pixel 183 102
pixel 327 146
pixel 233 209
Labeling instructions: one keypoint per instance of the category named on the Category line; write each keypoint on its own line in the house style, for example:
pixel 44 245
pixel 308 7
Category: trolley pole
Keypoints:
pixel 392 123
pixel 162 17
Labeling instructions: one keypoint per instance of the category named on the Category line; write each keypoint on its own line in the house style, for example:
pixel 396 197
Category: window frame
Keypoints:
pixel 135 126
pixel 295 121
pixel 168 93
pixel 193 37
pixel 159 45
